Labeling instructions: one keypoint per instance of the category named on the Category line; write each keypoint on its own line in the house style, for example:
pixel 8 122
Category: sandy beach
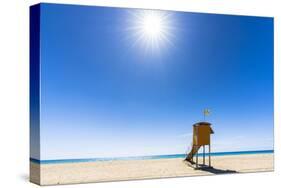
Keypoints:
pixel 86 172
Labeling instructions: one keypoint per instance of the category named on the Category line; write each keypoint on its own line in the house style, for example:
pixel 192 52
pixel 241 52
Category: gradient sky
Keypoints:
pixel 103 95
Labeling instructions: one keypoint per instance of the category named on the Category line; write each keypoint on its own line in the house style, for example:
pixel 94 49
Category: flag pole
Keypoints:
pixel 205 113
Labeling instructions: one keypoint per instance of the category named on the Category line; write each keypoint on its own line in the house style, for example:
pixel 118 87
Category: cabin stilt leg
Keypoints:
pixel 204 155
pixel 197 159
pixel 209 155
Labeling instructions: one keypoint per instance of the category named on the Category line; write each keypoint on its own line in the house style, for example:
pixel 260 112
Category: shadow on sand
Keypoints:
pixel 218 171
pixel 207 168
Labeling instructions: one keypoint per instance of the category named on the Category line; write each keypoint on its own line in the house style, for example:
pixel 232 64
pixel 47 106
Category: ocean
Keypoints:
pixel 58 161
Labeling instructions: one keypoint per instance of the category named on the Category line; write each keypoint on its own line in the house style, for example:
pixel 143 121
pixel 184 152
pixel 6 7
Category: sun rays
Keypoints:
pixel 151 30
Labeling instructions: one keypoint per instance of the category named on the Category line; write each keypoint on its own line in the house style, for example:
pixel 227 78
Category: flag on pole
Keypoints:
pixel 206 112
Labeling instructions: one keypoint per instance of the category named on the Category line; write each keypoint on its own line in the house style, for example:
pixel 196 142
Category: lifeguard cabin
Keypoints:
pixel 201 137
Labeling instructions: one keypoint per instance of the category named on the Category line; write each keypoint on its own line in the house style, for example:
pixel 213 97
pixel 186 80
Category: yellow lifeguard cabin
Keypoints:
pixel 201 137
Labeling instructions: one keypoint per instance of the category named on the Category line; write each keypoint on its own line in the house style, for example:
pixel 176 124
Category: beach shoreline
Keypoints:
pixel 119 170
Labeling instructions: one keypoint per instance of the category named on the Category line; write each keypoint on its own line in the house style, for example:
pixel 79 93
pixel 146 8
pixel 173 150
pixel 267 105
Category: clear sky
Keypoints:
pixel 111 89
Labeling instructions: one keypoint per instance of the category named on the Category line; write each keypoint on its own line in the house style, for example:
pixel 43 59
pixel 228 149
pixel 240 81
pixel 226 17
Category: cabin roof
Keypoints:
pixel 204 124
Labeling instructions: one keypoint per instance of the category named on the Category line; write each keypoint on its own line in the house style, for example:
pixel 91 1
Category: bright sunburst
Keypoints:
pixel 152 26
pixel 151 29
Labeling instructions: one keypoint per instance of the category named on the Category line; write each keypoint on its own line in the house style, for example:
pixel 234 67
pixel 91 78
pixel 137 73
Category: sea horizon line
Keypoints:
pixel 147 157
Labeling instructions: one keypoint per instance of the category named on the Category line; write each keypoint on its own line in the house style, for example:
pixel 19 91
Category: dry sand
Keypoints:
pixel 85 172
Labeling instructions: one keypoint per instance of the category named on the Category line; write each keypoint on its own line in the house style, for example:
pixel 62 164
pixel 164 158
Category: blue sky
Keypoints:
pixel 105 95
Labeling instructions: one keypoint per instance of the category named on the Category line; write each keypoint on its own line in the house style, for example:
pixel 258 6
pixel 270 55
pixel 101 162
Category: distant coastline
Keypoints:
pixel 59 161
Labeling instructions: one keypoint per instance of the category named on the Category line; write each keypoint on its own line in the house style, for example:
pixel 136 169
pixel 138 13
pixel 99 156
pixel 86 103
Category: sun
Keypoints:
pixel 152 25
pixel 152 30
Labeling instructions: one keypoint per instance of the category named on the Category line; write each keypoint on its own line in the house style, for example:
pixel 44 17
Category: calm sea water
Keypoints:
pixel 147 157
